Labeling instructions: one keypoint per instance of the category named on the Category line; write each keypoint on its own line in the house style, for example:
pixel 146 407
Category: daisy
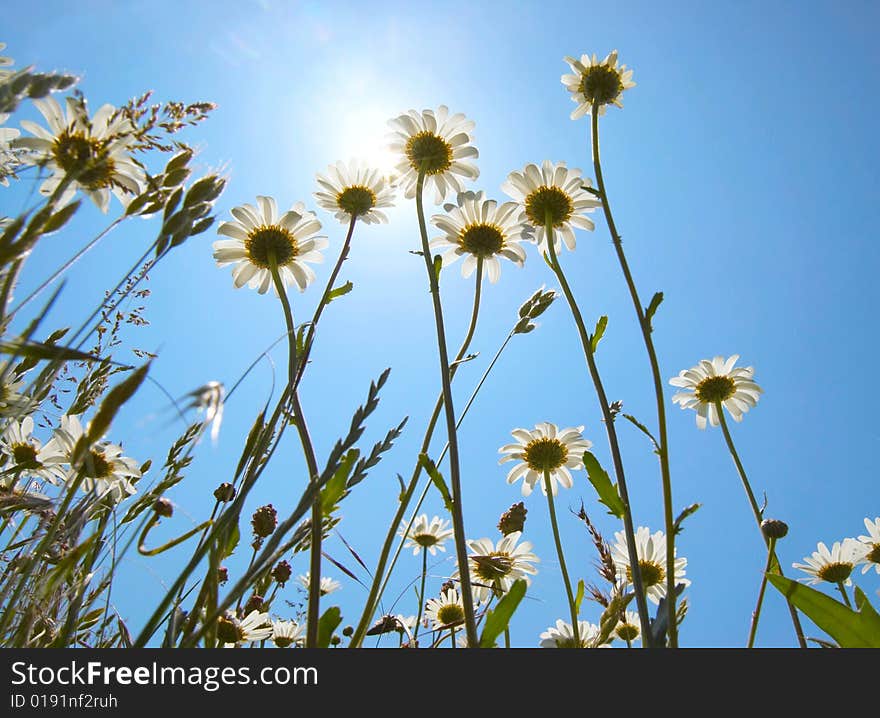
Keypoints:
pixel 255 626
pixel 597 82
pixel 107 472
pixel 436 145
pixel 12 402
pixel 259 236
pixel 5 62
pixel 713 381
pixel 208 398
pixel 92 154
pixel 27 453
pixel 354 191
pixel 497 566
pixel 629 628
pixel 834 566
pixel 287 633
pixel 562 635
pixel 651 550
pixel 546 449
pixel 556 192
pixel 9 159
pixel 480 229
pixel 446 611
pixel 328 585
pixel 872 543
pixel 426 535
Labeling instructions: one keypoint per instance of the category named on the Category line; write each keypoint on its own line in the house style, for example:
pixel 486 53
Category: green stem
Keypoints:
pixel 421 593
pixel 608 419
pixel 311 463
pixel 757 614
pixel 449 411
pixel 842 589
pixel 645 325
pixel 572 607
pixel 774 561
pixel 377 588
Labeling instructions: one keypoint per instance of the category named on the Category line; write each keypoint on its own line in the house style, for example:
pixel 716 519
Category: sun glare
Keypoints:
pixel 363 134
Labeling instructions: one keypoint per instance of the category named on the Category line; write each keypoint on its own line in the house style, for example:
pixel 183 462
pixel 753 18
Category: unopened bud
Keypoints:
pixel 774 528
pixel 163 508
pixel 264 521
pixel 222 575
pixel 254 603
pixel 224 492
pixel 282 572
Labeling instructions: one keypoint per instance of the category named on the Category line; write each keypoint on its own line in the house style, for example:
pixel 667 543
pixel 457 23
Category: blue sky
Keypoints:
pixel 742 172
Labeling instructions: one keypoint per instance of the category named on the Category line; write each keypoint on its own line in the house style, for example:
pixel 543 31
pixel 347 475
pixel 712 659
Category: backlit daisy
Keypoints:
pixel 232 631
pixel 562 635
pixel 872 544
pixel 427 535
pixel 595 81
pixel 260 235
pixel 288 633
pixel 547 448
pixel 477 228
pixel 446 611
pixel 5 62
pixel 834 566
pixel 328 585
pixel 93 154
pixel 354 190
pixel 629 628
pixel 27 454
pixel 436 144
pixel 9 159
pixel 497 566
pixel 651 550
pixel 12 402
pixel 107 472
pixel 552 192
pixel 716 380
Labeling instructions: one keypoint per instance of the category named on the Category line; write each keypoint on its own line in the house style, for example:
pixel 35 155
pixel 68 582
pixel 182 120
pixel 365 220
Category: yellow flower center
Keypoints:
pixel 356 200
pixel 482 240
pixel 229 630
pixel 715 388
pixel 545 454
pixel 24 454
pixel 97 466
pixel 450 614
pixel 282 641
pixel 85 159
pixel 601 84
pixel 627 631
pixel 428 153
pixel 569 642
pixel 835 572
pixel 271 240
pixel 425 540
pixel 652 573
pixel 874 554
pixel 493 567
pixel 548 201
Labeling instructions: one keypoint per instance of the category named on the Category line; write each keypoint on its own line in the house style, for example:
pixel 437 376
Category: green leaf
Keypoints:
pixel 428 465
pixel 114 400
pixel 579 598
pixel 644 429
pixel 600 330
pixel 333 490
pixel 652 308
pixel 438 265
pixel 340 291
pixel 604 487
pixel 685 512
pixel 39 350
pixel 498 619
pixel 60 218
pixel 327 624
pixel 851 629
pixel 231 542
pixel 179 161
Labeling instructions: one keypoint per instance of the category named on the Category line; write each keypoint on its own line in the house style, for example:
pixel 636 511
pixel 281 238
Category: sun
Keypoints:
pixel 362 134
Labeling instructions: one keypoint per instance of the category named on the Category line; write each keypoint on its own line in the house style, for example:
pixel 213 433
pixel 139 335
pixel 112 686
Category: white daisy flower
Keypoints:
pixel 107 472
pixel 427 535
pixel 436 144
pixel 716 380
pixel 547 448
pixel 477 228
pixel 651 552
pixel 556 192
pixel 26 453
pixel 328 585
pixel 288 633
pixel 446 611
pixel 232 631
pixel 872 545
pixel 497 566
pixel 12 402
pixel 258 235
pixel 5 62
pixel 597 81
pixel 354 190
pixel 629 628
pixel 834 566
pixel 93 153
pixel 562 635
pixel 9 159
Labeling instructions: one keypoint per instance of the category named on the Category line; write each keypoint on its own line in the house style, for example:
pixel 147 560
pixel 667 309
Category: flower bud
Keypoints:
pixel 163 508
pixel 264 521
pixel 774 528
pixel 224 492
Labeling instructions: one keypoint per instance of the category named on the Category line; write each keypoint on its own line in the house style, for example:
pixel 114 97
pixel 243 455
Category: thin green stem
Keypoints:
pixel 313 614
pixel 421 593
pixel 756 616
pixel 645 325
pixel 449 411
pixel 608 419
pixel 842 589
pixel 572 607
pixel 774 561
